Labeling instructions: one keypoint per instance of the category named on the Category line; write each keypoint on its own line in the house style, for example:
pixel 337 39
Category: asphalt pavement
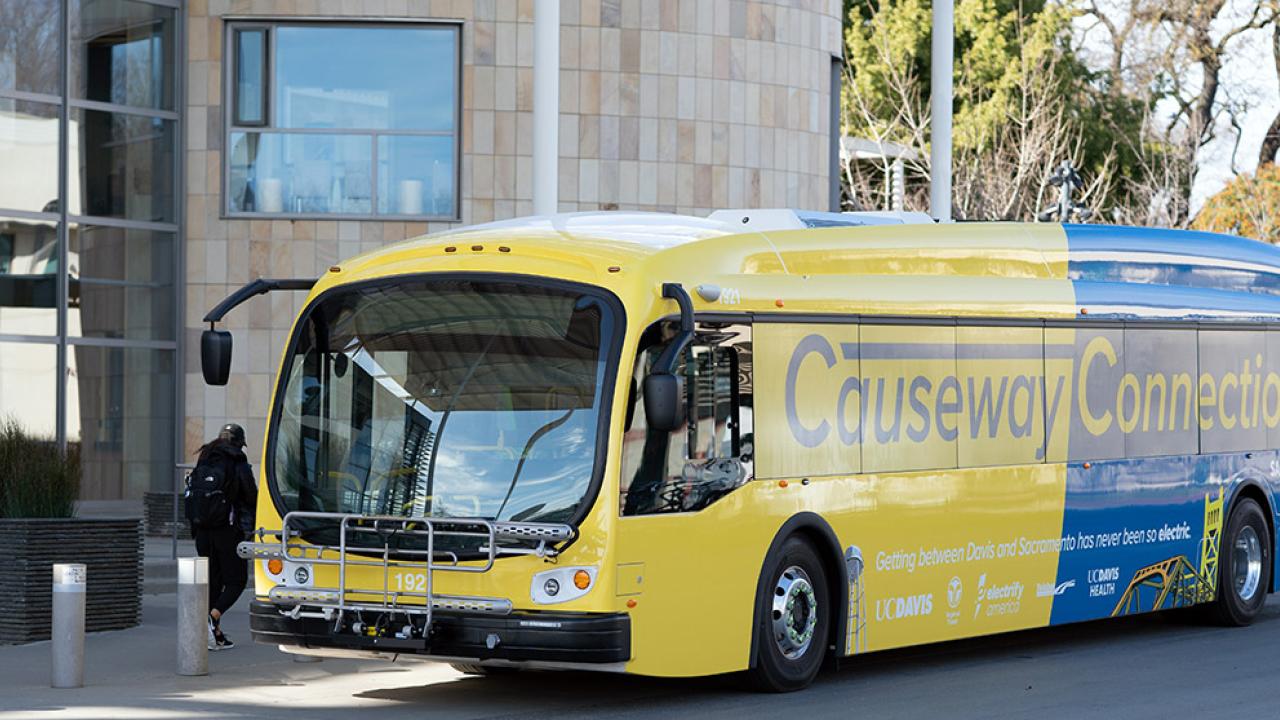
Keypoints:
pixel 1143 667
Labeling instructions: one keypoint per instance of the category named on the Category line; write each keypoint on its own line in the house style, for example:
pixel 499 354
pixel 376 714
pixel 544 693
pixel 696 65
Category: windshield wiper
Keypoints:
pixel 444 418
pixel 524 455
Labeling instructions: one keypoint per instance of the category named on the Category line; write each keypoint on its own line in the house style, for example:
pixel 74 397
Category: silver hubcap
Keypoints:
pixel 1246 563
pixel 795 612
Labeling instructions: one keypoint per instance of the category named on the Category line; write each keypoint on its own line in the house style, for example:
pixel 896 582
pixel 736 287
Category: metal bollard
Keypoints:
pixel 68 625
pixel 193 614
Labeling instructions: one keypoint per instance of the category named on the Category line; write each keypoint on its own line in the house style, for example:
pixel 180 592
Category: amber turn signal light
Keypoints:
pixel 275 566
pixel 581 580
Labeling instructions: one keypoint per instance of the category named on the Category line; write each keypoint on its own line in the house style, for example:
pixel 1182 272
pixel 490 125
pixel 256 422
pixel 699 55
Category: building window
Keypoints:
pixel 91 234
pixel 332 120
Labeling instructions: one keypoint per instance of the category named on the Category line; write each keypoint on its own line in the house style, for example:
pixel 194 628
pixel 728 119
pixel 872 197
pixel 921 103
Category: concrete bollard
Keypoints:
pixel 68 625
pixel 193 616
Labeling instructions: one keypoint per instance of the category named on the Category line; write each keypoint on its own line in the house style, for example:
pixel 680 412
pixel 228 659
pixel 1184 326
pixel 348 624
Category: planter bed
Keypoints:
pixel 158 509
pixel 111 550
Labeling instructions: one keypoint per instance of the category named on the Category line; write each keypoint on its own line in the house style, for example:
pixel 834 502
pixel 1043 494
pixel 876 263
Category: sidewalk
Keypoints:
pixel 130 674
pixel 159 568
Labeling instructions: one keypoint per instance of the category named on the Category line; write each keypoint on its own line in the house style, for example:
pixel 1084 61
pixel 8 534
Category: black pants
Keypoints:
pixel 227 572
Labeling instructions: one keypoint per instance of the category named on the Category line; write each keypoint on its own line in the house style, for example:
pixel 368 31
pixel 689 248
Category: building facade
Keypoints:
pixel 273 138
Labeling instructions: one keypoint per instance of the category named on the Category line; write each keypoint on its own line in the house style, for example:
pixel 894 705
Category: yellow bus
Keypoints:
pixel 763 440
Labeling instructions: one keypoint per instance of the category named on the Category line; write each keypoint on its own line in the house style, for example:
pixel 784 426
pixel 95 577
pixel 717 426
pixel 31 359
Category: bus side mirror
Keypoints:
pixel 663 406
pixel 215 356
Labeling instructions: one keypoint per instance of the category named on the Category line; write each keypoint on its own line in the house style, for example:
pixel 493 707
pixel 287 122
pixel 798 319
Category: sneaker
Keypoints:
pixel 223 642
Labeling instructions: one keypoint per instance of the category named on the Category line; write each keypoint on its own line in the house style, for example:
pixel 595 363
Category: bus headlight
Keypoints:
pixel 292 574
pixel 562 584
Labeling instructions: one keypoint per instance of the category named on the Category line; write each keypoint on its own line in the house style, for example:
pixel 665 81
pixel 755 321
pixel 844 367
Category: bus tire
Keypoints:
pixel 792 619
pixel 1244 566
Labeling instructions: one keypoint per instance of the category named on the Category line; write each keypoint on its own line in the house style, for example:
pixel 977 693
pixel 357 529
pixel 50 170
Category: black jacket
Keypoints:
pixel 243 489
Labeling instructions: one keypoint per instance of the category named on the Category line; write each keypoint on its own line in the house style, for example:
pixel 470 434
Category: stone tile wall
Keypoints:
pixel 670 105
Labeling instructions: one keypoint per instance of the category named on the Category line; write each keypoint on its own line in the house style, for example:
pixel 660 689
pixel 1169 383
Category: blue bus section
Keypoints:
pixel 1158 273
pixel 1144 534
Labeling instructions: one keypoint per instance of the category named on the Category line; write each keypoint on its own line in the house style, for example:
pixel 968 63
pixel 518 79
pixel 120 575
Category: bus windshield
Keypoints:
pixel 444 398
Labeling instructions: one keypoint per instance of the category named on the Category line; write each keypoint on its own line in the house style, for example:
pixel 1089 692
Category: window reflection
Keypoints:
pixel 365 78
pixel 28 381
pixel 416 174
pixel 121 283
pixel 120 410
pixel 28 140
pixel 123 52
pixel 251 59
pixel 713 452
pixel 29 46
pixel 126 165
pixel 307 173
pixel 28 277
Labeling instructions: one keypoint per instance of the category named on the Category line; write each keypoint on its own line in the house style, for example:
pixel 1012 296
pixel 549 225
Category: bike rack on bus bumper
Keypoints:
pixel 333 604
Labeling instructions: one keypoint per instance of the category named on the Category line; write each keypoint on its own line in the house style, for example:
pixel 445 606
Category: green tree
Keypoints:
pixel 1024 102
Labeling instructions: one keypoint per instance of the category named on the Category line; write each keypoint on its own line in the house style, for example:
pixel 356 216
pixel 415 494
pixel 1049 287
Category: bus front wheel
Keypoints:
pixel 792 619
pixel 1244 566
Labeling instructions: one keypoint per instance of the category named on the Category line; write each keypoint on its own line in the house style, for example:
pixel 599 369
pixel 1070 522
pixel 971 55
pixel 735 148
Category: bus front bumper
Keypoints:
pixel 536 638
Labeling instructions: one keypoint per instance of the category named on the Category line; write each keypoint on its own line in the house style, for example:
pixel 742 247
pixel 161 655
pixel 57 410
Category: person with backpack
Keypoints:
pixel 220 499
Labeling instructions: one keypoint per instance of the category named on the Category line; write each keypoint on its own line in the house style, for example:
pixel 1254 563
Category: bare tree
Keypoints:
pixel 1200 27
pixel 1170 53
pixel 1271 142
pixel 29 46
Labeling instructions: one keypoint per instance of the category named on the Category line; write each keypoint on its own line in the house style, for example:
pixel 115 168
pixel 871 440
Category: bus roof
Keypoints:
pixel 885 263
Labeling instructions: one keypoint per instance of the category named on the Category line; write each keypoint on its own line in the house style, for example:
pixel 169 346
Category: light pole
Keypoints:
pixel 546 106
pixel 940 107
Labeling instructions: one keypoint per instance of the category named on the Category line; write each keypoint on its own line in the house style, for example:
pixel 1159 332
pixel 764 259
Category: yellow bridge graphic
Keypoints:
pixel 1175 582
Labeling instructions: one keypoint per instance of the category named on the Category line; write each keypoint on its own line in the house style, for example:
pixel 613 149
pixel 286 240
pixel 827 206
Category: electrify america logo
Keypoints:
pixel 995 599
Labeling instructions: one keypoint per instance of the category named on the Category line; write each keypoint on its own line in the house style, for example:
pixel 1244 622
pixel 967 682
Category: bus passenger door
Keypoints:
pixel 687 528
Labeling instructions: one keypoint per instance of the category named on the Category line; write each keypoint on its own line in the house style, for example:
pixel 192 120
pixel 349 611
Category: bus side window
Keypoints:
pixel 712 454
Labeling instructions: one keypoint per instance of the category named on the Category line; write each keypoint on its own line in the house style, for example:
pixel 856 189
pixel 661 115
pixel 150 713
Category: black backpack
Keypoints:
pixel 207 498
